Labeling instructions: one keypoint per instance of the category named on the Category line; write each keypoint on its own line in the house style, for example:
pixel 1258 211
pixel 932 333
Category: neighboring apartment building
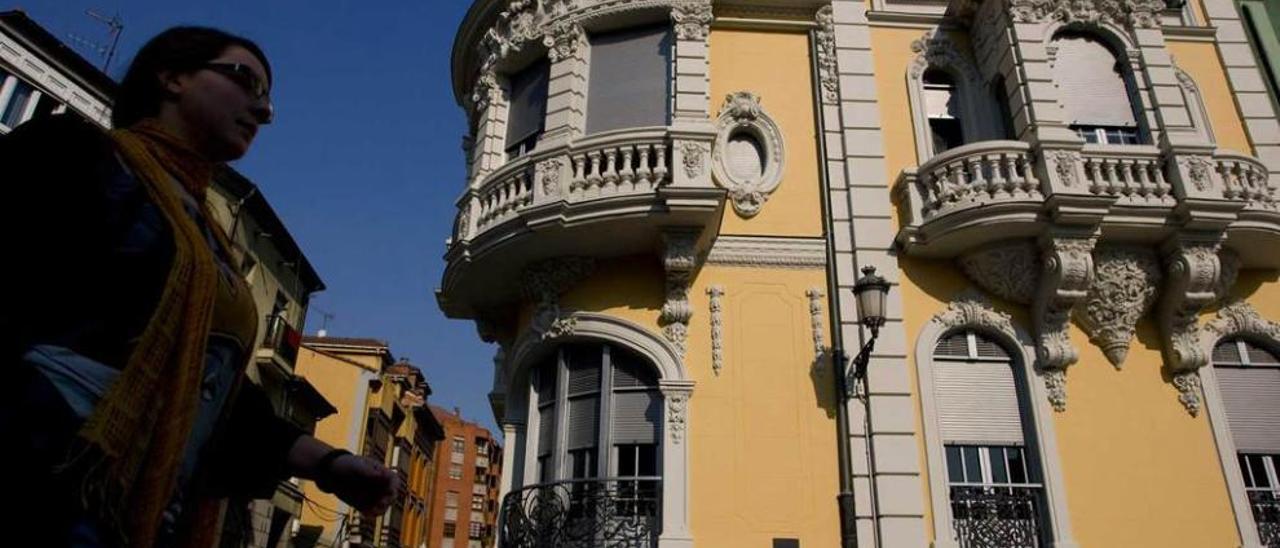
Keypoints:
pixel 40 76
pixel 381 414
pixel 668 204
pixel 469 467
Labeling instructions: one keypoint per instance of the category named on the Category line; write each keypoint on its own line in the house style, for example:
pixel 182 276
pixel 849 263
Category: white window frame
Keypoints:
pixel 1021 348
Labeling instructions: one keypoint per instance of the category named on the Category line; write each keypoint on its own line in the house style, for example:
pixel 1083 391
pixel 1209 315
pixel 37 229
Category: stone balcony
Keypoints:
pixel 606 195
pixel 992 191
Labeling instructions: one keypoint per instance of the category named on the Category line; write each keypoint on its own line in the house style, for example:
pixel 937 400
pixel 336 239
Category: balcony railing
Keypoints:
pixel 282 340
pixel 614 512
pixel 1132 174
pixel 1266 513
pixel 997 516
pixel 976 174
pixel 1244 178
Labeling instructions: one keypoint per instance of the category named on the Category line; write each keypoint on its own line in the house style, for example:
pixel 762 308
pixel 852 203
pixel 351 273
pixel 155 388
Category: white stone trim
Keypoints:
pixel 742 113
pixel 768 252
pixel 973 312
pixel 51 81
pixel 714 295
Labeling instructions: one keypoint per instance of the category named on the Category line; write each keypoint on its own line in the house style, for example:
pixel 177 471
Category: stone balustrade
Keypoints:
pixel 619 163
pixel 1132 174
pixel 1245 179
pixel 972 175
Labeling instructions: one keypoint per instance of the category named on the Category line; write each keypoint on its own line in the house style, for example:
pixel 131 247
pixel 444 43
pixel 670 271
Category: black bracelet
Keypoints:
pixel 322 475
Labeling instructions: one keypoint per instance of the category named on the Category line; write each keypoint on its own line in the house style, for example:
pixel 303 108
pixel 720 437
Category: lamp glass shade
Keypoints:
pixel 870 291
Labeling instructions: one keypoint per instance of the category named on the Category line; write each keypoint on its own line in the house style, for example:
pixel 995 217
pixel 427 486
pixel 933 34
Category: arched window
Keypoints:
pixel 992 467
pixel 593 396
pixel 942 106
pixel 1096 90
pixel 1248 378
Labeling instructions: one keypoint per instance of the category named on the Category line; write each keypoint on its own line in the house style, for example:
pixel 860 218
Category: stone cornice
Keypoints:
pixel 765 252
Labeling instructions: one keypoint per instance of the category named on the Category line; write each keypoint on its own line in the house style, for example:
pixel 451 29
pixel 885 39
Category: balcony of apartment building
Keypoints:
pixel 1103 136
pixel 579 144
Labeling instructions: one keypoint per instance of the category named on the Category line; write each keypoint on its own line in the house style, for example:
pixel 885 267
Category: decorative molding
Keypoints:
pixel 564 40
pixel 935 49
pixel 1189 390
pixel 742 113
pixel 1064 282
pixel 765 252
pixel 1124 287
pixel 1134 13
pixel 543 282
pixel 693 156
pixel 548 175
pixel 972 309
pixel 1065 163
pixel 828 73
pixel 815 321
pixel 1197 168
pixel 692 19
pixel 1009 269
pixel 715 293
pixel 679 259
pixel 677 405
pixel 1192 273
pixel 1234 319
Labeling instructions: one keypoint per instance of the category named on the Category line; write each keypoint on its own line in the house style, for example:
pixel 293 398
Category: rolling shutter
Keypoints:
pixel 528 111
pixel 635 416
pixel 1090 86
pixel 977 400
pixel 1251 396
pixel 630 76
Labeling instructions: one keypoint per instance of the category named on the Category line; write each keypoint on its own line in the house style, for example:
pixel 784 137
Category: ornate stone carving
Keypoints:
pixel 1064 281
pixel 1188 385
pixel 1197 169
pixel 679 260
pixel 486 90
pixel 828 75
pixel 935 49
pixel 564 41
pixel 815 321
pixel 1009 270
pixel 971 309
pixel 463 228
pixel 1145 13
pixel 692 19
pixel 1137 13
pixel 716 292
pixel 1124 287
pixel 677 403
pixel 694 159
pixel 548 175
pixel 742 115
pixel 543 282
pixel 1237 318
pixel 1055 383
pixel 1192 273
pixel 1064 165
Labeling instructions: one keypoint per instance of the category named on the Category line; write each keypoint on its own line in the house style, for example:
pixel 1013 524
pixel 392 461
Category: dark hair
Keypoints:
pixel 179 49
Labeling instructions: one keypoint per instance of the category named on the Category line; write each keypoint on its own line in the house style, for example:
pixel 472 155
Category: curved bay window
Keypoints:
pixel 597 436
pixel 993 472
pixel 1095 90
pixel 1249 380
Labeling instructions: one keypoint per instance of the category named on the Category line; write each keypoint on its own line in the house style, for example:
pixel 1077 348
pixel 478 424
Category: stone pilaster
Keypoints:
pixel 1246 82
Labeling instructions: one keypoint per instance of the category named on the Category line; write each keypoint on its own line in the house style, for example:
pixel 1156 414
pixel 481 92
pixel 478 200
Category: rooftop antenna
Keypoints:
pixel 324 321
pixel 116 27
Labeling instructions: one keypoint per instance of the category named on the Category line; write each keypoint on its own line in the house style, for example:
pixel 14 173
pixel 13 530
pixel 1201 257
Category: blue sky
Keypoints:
pixel 363 162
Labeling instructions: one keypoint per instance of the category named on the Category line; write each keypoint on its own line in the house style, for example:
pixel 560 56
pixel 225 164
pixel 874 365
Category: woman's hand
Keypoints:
pixel 364 483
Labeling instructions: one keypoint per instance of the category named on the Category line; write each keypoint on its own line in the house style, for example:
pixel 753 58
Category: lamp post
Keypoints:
pixel 870 292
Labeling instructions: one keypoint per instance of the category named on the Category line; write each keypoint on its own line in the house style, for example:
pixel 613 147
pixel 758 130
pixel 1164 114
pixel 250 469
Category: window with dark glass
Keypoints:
pixel 1248 376
pixel 14 111
pixel 994 477
pixel 1096 90
pixel 942 104
pixel 527 113
pixel 630 79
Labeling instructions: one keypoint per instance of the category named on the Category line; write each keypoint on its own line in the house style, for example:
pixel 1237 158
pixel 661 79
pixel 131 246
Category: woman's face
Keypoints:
pixel 218 109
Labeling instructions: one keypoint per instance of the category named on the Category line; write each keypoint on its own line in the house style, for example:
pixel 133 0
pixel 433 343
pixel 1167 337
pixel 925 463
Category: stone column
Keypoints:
pixel 675 464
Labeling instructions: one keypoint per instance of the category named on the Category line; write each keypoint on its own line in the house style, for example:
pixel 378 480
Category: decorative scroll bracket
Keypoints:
pixel 679 259
pixel 1192 277
pixel 1066 273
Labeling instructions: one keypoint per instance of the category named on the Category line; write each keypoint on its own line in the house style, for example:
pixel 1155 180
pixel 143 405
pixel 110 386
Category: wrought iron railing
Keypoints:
pixel 1266 513
pixel 997 516
pixel 612 512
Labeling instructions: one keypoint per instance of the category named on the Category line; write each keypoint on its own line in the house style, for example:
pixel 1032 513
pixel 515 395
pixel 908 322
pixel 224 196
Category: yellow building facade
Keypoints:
pixel 669 205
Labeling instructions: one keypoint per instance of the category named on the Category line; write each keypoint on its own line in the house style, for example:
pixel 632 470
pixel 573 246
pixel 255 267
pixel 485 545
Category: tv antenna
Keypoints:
pixel 115 27
pixel 325 316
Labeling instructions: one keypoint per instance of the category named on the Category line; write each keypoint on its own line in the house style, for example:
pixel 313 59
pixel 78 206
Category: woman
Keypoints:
pixel 127 328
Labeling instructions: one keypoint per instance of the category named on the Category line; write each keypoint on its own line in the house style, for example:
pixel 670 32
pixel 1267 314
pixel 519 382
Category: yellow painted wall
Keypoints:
pixel 891 49
pixel 775 66
pixel 1200 61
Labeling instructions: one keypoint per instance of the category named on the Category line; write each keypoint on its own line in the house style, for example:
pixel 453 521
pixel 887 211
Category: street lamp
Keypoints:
pixel 870 292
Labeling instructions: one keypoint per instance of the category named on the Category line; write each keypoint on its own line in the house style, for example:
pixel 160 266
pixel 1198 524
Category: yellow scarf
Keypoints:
pixel 140 427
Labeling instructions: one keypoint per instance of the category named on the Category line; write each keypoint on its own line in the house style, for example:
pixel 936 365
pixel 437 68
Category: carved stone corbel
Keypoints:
pixel 1066 272
pixel 692 19
pixel 543 282
pixel 679 259
pixel 1125 282
pixel 1192 277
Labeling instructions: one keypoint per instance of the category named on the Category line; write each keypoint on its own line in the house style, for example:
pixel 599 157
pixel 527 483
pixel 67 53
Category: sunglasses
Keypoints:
pixel 244 77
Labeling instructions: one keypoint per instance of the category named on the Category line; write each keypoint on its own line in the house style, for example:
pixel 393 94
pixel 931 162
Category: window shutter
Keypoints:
pixel 630 76
pixel 528 102
pixel 955 345
pixel 584 420
pixel 977 400
pixel 629 372
pixel 1091 89
pixel 1251 395
pixel 635 416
